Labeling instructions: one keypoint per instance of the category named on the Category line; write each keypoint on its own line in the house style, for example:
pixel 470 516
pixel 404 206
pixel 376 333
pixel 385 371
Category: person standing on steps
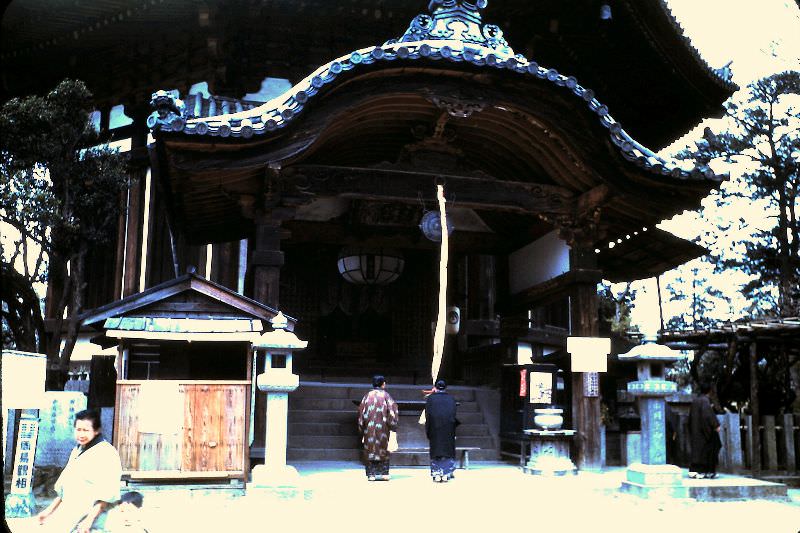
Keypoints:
pixel 440 427
pixel 377 418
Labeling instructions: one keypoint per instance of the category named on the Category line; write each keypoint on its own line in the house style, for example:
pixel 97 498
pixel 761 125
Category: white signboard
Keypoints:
pixel 589 354
pixel 23 379
pixel 541 387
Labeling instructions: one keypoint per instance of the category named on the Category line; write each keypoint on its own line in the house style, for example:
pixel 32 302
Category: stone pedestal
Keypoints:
pixel 655 481
pixel 550 452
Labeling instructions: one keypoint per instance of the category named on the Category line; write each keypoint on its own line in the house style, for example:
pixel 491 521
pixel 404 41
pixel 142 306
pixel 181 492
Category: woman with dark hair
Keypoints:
pixel 89 482
pixel 704 433
pixel 440 427
pixel 377 417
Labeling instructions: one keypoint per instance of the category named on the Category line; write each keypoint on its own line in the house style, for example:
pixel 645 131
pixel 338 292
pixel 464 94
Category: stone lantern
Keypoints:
pixel 653 475
pixel 277 381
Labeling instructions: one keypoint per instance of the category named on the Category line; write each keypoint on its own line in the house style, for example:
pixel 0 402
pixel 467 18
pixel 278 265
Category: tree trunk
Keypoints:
pixel 58 358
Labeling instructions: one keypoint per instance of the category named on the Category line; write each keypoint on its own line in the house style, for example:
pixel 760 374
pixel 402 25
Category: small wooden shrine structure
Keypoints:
pixel 184 395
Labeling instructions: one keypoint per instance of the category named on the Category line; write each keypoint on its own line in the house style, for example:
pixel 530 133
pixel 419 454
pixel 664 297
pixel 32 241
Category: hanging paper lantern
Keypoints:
pixel 370 266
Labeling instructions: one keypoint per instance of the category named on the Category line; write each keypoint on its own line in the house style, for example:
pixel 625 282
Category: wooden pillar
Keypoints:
pixel 134 232
pixel 136 201
pixel 585 386
pixel 225 264
pixel 755 450
pixel 266 263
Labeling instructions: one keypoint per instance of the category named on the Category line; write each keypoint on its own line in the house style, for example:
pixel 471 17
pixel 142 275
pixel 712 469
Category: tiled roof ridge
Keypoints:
pixel 723 75
pixel 485 48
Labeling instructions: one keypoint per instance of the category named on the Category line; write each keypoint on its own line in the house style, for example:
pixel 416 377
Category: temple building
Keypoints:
pixel 301 177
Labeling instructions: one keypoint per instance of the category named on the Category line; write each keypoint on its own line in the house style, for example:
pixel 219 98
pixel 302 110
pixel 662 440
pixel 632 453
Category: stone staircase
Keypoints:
pixel 322 424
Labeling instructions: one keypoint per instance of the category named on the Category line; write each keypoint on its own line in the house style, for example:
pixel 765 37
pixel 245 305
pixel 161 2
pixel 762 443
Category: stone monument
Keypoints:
pixel 653 477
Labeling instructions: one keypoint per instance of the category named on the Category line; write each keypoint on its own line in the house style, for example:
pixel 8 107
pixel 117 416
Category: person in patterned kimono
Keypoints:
pixel 377 416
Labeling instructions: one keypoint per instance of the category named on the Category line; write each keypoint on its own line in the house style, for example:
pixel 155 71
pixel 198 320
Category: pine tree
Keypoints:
pixel 763 133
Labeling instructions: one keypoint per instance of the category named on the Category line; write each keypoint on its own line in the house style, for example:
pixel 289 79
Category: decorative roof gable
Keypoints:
pixel 174 304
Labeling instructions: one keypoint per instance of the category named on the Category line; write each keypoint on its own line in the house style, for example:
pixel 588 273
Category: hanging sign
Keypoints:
pixel 589 354
pixel 523 383
pixel 22 476
pixel 541 387
pixel 20 502
pixel 591 384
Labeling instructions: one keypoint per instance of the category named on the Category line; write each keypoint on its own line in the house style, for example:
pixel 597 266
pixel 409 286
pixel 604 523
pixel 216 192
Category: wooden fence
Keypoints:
pixel 779 439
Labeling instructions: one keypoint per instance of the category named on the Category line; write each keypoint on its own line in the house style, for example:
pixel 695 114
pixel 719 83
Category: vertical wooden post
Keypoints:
pixel 133 239
pixel 788 442
pixel 585 407
pixel 136 199
pixel 755 450
pixel 735 441
pixel 725 452
pixel 266 261
pixel 770 443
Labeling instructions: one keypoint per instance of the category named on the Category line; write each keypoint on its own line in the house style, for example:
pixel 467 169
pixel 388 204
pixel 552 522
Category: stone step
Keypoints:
pixel 324 441
pixel 334 428
pixel 355 391
pixel 475 442
pixel 322 428
pixel 354 441
pixel 329 454
pixel 327 404
pixel 422 457
pixel 343 404
pixel 733 488
pixel 342 416
pixel 316 415
pixel 321 376
pixel 472 430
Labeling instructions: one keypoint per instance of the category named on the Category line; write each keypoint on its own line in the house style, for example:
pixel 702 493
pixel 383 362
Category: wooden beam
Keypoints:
pixel 477 192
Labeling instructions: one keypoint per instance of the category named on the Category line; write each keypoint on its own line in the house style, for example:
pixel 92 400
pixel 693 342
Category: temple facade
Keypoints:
pixel 539 122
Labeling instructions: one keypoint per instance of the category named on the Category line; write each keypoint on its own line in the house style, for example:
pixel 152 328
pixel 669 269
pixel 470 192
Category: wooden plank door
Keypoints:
pixel 214 428
pixel 126 438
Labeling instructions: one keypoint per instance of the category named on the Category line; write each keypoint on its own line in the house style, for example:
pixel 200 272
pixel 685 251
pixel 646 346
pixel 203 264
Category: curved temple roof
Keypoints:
pixel 454 33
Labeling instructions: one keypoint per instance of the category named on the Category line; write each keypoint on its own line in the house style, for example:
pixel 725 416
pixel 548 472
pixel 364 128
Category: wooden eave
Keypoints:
pixel 645 254
pixel 347 142
pixel 785 330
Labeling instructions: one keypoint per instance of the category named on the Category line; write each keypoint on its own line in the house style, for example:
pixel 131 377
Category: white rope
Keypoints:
pixel 438 336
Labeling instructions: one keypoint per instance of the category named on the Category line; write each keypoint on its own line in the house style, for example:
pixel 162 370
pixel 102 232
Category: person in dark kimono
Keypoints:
pixel 377 417
pixel 704 434
pixel 440 427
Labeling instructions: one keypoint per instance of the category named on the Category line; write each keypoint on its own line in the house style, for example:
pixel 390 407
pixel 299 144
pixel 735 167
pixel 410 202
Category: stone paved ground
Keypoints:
pixel 497 498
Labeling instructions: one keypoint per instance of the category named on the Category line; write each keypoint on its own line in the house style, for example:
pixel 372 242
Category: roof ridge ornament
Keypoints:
pixel 169 110
pixel 456 20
